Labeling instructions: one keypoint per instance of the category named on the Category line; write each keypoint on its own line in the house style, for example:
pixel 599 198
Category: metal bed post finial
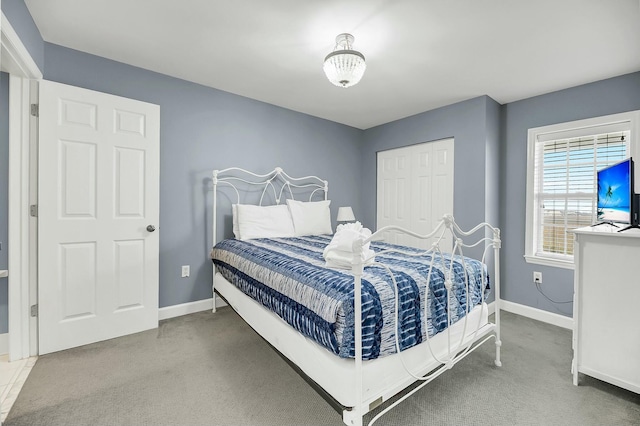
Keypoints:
pixel 448 220
pixel 497 242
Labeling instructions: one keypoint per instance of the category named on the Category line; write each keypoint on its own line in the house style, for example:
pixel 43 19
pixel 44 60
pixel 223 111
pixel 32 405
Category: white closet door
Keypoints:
pixel 394 192
pixel 433 188
pixel 98 193
pixel 429 188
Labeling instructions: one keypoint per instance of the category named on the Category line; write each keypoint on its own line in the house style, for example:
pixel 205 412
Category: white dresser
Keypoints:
pixel 606 309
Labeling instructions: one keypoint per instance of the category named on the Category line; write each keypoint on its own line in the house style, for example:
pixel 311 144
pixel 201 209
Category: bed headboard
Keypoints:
pixel 271 188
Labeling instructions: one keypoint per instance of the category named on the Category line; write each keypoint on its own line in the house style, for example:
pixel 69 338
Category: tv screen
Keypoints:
pixel 615 192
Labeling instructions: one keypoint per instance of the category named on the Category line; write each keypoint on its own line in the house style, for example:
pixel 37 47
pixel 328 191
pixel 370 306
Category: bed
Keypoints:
pixel 420 311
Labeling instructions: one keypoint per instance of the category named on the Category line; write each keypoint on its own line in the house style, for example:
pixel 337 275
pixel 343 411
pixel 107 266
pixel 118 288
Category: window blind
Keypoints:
pixel 565 186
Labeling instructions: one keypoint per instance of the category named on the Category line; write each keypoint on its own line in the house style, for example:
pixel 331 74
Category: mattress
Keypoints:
pixel 382 377
pixel 288 277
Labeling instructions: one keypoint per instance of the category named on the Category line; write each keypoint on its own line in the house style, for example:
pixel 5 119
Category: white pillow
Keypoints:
pixel 264 221
pixel 236 228
pixel 311 218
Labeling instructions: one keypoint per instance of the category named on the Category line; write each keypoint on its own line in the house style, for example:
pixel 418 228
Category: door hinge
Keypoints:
pixel 34 310
pixel 33 210
pixel 35 110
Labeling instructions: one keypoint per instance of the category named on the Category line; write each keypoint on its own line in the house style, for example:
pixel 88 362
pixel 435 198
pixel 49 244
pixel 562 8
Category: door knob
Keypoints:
pixel 151 228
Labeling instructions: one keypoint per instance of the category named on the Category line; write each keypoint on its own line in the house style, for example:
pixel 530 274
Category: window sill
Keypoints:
pixel 565 264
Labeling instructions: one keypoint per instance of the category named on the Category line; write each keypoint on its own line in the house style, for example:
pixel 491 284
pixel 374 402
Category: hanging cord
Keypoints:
pixel 554 303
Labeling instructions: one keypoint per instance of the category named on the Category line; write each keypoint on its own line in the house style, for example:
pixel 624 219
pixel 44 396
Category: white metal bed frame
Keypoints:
pixel 279 182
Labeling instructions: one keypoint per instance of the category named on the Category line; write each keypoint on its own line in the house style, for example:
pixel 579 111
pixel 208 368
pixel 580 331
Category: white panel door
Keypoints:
pixel 394 203
pixel 435 195
pixel 98 189
pixel 423 192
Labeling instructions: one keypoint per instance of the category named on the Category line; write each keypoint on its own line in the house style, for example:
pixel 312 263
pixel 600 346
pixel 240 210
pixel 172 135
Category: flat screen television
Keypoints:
pixel 616 194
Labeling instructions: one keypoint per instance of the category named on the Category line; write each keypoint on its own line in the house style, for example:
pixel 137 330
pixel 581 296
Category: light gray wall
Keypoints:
pixel 4 196
pixel 204 129
pixel 18 15
pixel 605 97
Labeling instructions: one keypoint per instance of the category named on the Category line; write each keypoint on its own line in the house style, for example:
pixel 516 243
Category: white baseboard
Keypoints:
pixel 4 343
pixel 537 314
pixel 188 308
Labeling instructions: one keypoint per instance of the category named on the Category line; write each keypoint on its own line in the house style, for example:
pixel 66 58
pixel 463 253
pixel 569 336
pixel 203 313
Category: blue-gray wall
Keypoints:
pixel 474 126
pixel 604 97
pixel 4 196
pixel 18 15
pixel 492 161
pixel 204 129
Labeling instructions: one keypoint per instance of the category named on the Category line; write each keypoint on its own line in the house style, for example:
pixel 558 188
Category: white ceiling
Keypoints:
pixel 421 54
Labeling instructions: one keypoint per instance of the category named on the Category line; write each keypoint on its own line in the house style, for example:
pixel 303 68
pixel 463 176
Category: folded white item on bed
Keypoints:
pixel 339 252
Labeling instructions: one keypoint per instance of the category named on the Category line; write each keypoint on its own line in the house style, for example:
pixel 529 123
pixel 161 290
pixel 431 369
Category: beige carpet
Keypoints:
pixel 212 369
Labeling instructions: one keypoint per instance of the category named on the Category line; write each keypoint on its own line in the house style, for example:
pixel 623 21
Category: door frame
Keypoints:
pixel 24 74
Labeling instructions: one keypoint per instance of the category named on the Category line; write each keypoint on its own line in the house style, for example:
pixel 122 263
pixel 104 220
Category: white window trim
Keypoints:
pixel 559 131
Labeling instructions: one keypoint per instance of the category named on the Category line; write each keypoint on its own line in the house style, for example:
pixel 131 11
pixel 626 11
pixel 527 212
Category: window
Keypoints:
pixel 561 181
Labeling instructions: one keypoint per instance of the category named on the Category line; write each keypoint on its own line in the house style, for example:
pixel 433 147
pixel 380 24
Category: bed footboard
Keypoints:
pixel 489 237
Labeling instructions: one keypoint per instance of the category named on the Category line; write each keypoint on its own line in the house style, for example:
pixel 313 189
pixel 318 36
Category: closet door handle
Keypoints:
pixel 151 228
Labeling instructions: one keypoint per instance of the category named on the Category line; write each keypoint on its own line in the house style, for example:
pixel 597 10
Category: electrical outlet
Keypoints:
pixel 185 271
pixel 537 277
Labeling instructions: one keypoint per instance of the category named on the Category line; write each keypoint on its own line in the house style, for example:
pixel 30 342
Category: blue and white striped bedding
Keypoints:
pixel 288 276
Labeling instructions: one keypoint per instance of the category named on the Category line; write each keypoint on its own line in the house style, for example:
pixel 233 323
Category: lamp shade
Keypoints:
pixel 345 214
pixel 344 67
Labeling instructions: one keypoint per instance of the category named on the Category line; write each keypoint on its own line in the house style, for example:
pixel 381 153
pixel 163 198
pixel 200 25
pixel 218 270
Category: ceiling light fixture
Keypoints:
pixel 344 67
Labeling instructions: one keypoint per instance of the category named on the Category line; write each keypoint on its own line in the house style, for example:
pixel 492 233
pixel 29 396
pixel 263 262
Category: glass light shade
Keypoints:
pixel 344 67
pixel 345 214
